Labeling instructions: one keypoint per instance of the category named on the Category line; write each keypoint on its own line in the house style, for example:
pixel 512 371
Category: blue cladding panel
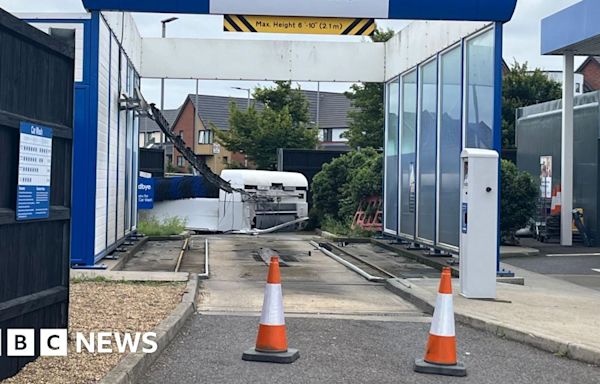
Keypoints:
pixel 480 88
pixel 408 154
pixel 172 6
pixel 476 10
pixel 391 157
pixel 571 26
pixel 84 151
pixel 450 146
pixel 426 163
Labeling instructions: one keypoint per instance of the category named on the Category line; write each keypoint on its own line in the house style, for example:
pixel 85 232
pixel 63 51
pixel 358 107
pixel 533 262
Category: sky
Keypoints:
pixel 521 42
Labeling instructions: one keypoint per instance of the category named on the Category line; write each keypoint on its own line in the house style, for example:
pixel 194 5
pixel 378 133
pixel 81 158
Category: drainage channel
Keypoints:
pixel 357 264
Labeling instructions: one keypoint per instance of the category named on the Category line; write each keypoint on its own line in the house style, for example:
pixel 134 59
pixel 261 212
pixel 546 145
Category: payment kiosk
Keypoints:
pixel 479 223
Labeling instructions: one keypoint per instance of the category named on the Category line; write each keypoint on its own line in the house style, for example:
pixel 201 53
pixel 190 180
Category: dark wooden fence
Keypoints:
pixel 152 161
pixel 308 162
pixel 36 85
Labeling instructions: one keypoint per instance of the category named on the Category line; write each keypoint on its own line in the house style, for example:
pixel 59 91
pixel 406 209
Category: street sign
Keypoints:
pixel 145 193
pixel 35 168
pixel 467 10
pixel 299 25
pixel 216 148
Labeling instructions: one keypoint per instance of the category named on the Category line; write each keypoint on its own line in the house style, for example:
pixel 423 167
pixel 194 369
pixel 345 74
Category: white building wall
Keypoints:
pixel 122 155
pixel 421 40
pixel 123 26
pixel 79 37
pixel 114 143
pixel 102 143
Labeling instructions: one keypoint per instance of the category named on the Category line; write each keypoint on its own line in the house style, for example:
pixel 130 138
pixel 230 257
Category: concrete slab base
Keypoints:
pixel 280 358
pixel 422 366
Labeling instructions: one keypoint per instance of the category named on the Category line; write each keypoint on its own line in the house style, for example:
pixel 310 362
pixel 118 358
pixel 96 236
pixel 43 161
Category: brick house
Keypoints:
pixel 590 69
pixel 199 113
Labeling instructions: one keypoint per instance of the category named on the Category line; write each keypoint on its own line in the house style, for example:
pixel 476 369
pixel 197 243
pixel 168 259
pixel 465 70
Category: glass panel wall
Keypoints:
pixel 408 157
pixel 450 144
pixel 391 156
pixel 480 91
pixel 427 144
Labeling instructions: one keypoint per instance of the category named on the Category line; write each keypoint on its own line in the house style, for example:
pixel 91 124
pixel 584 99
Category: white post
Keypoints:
pixel 566 216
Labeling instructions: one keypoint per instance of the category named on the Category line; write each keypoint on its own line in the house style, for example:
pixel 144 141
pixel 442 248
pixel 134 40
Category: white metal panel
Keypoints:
pixel 50 15
pixel 421 40
pixel 136 172
pixel 199 214
pixel 113 143
pixel 102 143
pixel 125 29
pixel 262 60
pixel 79 42
pixel 122 157
pixel 241 177
pixel 322 8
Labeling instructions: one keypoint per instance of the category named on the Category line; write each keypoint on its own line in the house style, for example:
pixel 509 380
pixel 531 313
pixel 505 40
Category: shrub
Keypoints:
pixel 152 226
pixel 518 201
pixel 343 183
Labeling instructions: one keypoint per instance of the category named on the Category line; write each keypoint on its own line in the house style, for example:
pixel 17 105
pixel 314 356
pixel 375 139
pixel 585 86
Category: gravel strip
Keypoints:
pixel 102 306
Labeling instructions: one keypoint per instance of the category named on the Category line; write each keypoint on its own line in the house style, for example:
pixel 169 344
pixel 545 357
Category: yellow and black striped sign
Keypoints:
pixel 299 25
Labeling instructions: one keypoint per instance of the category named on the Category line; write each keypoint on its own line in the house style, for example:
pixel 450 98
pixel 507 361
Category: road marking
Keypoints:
pixel 572 254
pixel 596 270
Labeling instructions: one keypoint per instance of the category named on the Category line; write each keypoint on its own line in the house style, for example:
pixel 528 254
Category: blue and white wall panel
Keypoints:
pixel 102 147
pixel 122 120
pixel 117 154
pixel 449 99
pixel 113 143
pixel 108 55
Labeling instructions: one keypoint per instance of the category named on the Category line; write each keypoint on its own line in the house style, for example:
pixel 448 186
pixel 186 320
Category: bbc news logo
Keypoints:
pixel 54 342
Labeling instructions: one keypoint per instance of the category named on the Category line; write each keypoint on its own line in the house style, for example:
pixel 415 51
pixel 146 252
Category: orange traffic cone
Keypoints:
pixel 556 201
pixel 271 343
pixel 440 357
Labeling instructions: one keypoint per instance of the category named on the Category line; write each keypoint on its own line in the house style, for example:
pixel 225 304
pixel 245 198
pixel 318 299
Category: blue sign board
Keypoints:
pixel 468 10
pixel 35 169
pixel 145 193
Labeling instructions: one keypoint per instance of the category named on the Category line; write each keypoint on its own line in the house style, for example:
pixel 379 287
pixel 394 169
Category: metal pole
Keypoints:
pixel 194 138
pixel 248 105
pixel 318 102
pixel 566 226
pixel 162 84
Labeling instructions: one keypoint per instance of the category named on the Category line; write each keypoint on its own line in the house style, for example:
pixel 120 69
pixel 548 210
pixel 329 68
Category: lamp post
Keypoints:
pixel 249 90
pixel 162 81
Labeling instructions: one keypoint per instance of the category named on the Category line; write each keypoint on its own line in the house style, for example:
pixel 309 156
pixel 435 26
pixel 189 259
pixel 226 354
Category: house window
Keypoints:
pixel 326 135
pixel 180 161
pixel 205 137
pixel 225 160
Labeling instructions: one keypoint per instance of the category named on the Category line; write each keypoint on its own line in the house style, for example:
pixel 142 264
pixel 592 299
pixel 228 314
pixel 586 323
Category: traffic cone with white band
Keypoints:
pixel 271 343
pixel 440 357
pixel 556 201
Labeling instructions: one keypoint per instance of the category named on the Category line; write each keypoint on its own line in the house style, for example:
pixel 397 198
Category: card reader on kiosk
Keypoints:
pixel 479 223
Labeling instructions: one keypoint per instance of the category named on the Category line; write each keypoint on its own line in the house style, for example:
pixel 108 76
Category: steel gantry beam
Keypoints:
pixel 466 10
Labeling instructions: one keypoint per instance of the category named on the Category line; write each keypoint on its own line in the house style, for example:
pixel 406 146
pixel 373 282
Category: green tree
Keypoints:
pixel 367 118
pixel 343 183
pixel 282 122
pixel 518 201
pixel 522 88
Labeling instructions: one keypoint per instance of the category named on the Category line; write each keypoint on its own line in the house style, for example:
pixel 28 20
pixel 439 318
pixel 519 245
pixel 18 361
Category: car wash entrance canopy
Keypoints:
pixel 442 84
pixel 466 10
